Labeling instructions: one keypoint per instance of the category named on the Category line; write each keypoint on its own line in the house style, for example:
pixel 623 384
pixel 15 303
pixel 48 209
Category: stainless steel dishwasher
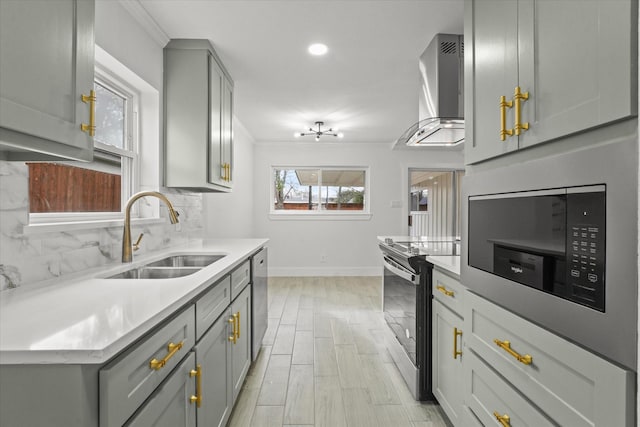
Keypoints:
pixel 259 300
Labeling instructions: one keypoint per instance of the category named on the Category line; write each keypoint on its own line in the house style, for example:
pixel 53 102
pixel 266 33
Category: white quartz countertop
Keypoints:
pixel 89 319
pixel 448 263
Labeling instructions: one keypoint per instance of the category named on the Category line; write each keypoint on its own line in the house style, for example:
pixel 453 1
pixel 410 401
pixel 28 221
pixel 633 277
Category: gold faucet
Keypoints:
pixel 127 253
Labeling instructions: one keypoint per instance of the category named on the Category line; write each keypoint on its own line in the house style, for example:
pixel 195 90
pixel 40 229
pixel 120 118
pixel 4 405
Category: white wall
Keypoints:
pixel 296 246
pixel 231 214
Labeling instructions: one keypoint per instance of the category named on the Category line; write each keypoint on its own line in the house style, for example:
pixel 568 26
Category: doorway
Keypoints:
pixel 434 203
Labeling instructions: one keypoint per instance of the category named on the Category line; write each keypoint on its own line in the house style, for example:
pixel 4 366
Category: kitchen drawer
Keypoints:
pixel 490 396
pixel 240 278
pixel 130 379
pixel 574 386
pixel 212 304
pixel 448 291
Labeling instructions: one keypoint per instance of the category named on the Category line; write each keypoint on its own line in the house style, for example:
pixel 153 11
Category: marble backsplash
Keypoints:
pixel 37 256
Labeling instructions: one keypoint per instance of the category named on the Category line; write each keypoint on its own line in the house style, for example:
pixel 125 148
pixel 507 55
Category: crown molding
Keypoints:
pixel 141 15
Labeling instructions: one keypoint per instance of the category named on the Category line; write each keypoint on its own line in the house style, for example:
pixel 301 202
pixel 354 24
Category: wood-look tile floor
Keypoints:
pixel 324 363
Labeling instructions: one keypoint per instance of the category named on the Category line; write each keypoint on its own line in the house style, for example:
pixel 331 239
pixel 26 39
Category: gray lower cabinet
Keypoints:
pixel 171 405
pixel 241 347
pixel 186 371
pixel 516 369
pixel 224 357
pixel 447 336
pixel 46 65
pixel 213 355
pixel 131 378
pixel 447 361
pixel 571 78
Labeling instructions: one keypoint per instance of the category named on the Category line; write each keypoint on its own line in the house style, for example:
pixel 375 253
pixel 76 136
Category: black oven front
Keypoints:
pixel 407 312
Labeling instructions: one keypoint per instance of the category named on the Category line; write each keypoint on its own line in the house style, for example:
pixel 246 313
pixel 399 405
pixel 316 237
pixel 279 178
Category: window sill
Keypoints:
pixel 320 216
pixel 51 227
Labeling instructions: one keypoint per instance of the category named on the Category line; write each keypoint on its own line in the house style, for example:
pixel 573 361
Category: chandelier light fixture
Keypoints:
pixel 319 132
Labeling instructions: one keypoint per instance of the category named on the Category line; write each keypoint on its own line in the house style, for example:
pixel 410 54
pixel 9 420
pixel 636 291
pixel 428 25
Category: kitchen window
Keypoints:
pixel 72 191
pixel 330 192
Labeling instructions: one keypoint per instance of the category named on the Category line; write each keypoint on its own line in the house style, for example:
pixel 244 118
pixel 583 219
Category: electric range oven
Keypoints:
pixel 407 308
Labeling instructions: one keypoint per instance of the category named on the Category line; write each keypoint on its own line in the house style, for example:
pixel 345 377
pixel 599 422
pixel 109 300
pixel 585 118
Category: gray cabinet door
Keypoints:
pixel 170 405
pixel 491 71
pixel 195 83
pixel 576 62
pixel 216 82
pixel 213 354
pixel 46 64
pixel 241 349
pixel 578 76
pixel 447 369
pixel 227 130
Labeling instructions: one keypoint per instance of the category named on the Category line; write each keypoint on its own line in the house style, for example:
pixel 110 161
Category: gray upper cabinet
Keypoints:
pixel 46 65
pixel 575 64
pixel 198 117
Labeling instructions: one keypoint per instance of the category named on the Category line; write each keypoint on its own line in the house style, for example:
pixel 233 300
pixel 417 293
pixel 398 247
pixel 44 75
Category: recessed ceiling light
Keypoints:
pixel 318 49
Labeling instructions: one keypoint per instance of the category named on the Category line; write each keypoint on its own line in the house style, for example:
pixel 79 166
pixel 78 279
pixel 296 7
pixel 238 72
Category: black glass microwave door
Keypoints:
pixel 400 311
pixel 535 225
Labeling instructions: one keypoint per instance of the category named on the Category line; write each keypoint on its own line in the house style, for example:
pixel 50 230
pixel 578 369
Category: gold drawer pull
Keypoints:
pixel 91 100
pixel 506 346
pixel 504 420
pixel 518 96
pixel 456 333
pixel 504 104
pixel 172 350
pixel 445 290
pixel 234 337
pixel 237 316
pixel 197 398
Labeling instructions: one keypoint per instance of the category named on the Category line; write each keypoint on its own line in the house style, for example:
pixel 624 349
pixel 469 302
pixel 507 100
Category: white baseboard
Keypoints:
pixel 324 271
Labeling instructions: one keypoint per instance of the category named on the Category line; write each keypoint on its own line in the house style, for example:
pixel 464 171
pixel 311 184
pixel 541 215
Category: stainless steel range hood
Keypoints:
pixel 441 98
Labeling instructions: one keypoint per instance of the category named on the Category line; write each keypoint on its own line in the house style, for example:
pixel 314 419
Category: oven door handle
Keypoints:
pixel 399 270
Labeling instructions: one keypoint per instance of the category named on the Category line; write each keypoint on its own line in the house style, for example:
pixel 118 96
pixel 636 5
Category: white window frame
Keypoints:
pixel 129 158
pixel 282 214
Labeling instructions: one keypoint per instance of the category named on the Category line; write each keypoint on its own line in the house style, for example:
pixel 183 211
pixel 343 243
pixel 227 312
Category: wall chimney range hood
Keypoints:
pixel 441 98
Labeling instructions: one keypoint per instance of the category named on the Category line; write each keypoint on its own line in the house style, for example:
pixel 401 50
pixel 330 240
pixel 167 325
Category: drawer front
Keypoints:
pixel 448 291
pixel 574 386
pixel 170 405
pixel 490 396
pixel 130 379
pixel 211 305
pixel 240 278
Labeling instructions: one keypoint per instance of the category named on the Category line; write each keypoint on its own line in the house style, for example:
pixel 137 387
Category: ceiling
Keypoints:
pixel 366 85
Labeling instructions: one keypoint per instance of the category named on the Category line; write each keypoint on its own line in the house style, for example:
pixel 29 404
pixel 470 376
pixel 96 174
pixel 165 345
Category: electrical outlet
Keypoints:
pixel 323 258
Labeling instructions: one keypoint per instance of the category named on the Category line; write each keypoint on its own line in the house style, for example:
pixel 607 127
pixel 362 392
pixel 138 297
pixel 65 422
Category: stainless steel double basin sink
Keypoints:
pixel 170 267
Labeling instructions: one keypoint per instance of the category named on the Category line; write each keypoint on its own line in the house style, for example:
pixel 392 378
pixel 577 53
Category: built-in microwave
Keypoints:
pixel 552 240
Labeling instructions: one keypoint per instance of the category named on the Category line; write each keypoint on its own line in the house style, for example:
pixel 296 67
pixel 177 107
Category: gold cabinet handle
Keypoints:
pixel 197 398
pixel 172 350
pixel 504 420
pixel 504 104
pixel 237 317
pixel 456 333
pixel 233 338
pixel 91 100
pixel 445 290
pixel 226 172
pixel 518 97
pixel 506 346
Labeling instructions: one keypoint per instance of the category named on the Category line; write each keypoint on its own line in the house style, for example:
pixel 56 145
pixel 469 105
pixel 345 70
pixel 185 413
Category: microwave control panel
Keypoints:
pixel 585 242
